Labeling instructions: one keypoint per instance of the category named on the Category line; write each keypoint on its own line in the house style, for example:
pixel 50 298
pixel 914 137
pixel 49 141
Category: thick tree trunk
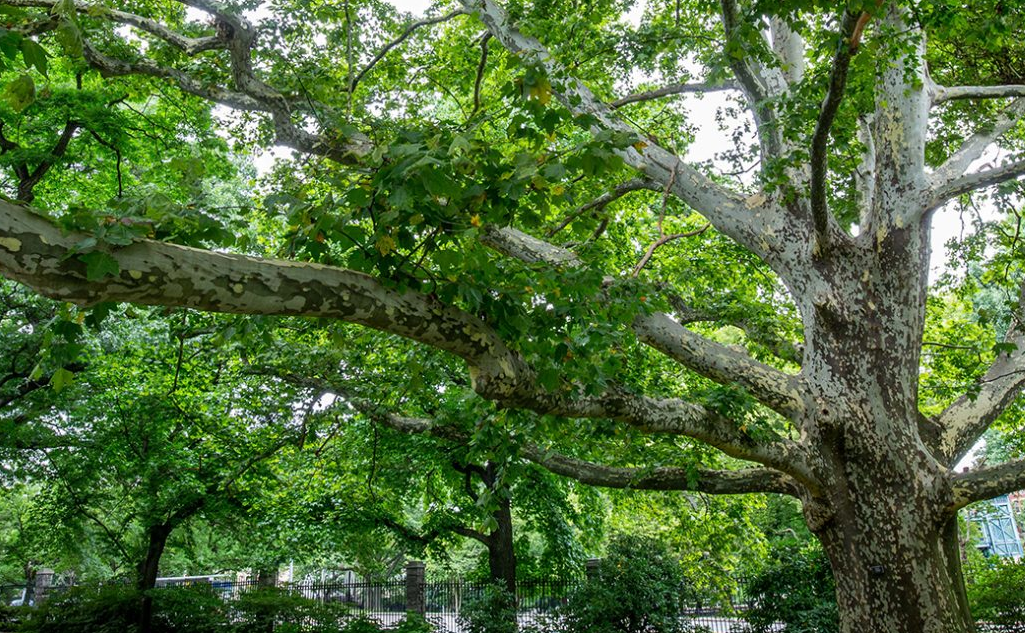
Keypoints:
pixel 896 578
pixel 884 511
pixel 267 576
pixel 148 570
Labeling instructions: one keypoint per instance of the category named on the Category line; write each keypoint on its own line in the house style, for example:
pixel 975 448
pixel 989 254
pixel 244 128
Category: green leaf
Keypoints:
pixel 34 55
pixel 20 93
pixel 70 38
pixel 9 43
pixel 61 379
pixel 98 265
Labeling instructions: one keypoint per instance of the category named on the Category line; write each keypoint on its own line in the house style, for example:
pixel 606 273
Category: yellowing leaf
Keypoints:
pixel 542 91
pixel 385 244
pixel 20 93
pixel 475 220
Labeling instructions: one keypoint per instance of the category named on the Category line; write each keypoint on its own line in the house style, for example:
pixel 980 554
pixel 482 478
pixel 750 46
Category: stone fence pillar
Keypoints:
pixel 415 572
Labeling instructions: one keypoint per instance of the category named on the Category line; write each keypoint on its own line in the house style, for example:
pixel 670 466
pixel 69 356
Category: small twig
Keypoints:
pixel 480 72
pixel 664 240
pixel 401 38
pixel 602 201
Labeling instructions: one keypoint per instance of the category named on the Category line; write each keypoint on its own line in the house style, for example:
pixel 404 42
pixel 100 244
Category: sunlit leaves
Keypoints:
pixel 20 93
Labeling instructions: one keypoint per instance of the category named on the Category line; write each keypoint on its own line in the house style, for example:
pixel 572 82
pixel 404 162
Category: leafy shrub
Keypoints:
pixel 414 623
pixel 272 609
pixel 996 596
pixel 492 611
pixel 797 592
pixel 361 624
pixel 87 609
pixel 194 609
pixel 635 589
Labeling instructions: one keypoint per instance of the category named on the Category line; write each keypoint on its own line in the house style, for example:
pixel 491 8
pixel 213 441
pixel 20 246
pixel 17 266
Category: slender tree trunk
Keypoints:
pixel 267 576
pixel 501 555
pixel 30 584
pixel 148 570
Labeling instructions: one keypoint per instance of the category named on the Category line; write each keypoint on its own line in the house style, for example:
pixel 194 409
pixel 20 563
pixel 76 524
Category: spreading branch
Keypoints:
pixel 941 94
pixel 35 252
pixel 759 333
pixel 716 482
pixel 663 478
pixel 778 391
pixel 674 89
pixel 714 360
pixel 970 151
pixel 979 180
pixel 986 483
pixel 964 421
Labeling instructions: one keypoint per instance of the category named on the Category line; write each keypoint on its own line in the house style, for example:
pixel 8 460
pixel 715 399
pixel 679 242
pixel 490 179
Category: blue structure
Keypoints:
pixel 998 530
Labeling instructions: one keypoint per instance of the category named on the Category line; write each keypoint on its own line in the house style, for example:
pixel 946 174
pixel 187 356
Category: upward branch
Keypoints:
pixel 748 221
pixel 845 50
pixel 963 422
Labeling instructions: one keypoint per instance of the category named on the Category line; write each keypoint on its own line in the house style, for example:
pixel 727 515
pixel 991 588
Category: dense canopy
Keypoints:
pixel 511 187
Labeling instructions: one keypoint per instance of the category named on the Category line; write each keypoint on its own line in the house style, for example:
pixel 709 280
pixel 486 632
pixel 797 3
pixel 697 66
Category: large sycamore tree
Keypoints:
pixel 509 184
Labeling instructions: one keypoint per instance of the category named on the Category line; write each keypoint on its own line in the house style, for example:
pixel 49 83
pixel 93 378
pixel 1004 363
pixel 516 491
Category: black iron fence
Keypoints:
pixel 715 611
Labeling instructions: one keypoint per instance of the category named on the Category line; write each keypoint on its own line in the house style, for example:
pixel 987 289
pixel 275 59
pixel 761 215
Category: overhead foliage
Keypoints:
pixel 514 185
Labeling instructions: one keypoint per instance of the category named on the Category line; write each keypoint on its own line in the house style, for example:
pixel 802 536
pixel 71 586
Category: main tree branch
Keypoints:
pixel 971 150
pixel 978 180
pixel 38 254
pixel 942 94
pixel 986 483
pixel 768 385
pixel 747 221
pixel 663 478
pixel 716 482
pixel 964 421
